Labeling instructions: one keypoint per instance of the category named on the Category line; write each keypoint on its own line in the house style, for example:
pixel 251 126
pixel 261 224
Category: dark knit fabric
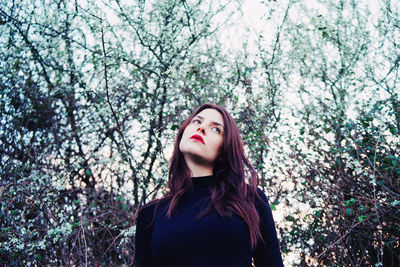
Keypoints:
pixel 209 241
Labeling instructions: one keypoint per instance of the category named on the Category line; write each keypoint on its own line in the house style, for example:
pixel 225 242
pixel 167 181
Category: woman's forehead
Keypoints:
pixel 212 115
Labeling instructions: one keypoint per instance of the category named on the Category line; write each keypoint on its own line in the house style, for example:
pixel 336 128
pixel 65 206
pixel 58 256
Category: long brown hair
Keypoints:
pixel 230 194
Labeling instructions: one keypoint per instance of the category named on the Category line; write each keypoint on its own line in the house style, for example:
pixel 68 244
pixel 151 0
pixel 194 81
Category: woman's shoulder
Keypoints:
pixel 261 199
pixel 147 210
pixel 259 194
pixel 262 195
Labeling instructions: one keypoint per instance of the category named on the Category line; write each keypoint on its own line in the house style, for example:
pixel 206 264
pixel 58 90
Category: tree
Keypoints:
pixel 91 101
pixel 343 159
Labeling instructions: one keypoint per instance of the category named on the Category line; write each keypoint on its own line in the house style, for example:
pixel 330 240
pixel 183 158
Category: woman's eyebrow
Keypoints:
pixel 213 122
pixel 200 117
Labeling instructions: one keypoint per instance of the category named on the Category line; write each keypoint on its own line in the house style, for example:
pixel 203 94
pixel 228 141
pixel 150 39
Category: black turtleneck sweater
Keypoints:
pixel 209 241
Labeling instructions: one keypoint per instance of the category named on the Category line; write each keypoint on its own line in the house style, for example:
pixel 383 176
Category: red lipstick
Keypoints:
pixel 198 138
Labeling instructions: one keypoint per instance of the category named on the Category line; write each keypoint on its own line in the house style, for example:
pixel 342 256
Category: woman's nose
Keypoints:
pixel 201 129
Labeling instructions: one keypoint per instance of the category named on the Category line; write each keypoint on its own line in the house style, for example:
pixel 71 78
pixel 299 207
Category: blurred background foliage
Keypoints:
pixel 93 92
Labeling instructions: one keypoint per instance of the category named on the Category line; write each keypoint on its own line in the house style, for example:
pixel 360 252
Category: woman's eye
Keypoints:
pixel 196 121
pixel 216 129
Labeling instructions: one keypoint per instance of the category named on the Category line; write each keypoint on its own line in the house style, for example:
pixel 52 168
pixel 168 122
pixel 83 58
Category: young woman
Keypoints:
pixel 210 216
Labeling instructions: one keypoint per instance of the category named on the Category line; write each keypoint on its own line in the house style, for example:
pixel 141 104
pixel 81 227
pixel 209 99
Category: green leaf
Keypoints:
pixel 289 218
pixel 318 214
pixel 285 250
pixel 174 127
pixel 395 203
pixel 348 211
pixel 273 207
pixel 88 172
pixel 349 202
pixel 327 129
pixel 361 218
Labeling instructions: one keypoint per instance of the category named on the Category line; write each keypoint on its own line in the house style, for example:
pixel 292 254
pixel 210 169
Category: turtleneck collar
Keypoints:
pixel 203 181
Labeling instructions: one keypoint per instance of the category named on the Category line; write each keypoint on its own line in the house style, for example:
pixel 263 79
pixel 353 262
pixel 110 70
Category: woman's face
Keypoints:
pixel 202 139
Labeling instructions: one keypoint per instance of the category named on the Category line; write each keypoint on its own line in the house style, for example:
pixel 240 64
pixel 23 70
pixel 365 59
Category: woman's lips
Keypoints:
pixel 198 138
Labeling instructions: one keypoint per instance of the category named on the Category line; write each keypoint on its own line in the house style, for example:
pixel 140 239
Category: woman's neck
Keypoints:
pixel 198 170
